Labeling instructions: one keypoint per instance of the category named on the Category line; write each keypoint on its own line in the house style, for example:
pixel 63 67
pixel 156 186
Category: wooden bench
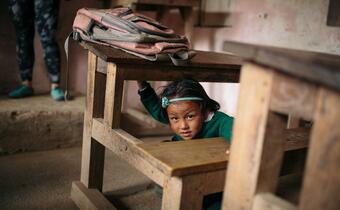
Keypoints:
pixel 275 82
pixel 184 177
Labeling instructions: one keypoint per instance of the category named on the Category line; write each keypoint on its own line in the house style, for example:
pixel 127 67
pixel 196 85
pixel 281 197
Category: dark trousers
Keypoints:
pixel 43 14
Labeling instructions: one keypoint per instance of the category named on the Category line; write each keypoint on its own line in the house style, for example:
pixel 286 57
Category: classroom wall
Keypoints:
pixel 297 24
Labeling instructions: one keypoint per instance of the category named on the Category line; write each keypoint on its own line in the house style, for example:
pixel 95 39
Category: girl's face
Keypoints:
pixel 185 118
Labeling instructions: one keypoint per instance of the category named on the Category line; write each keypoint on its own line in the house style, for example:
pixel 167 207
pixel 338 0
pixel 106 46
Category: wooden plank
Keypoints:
pixel 202 59
pixel 169 73
pixel 92 163
pixel 89 198
pixel 293 96
pixel 321 185
pixel 293 122
pixel 175 159
pixel 248 137
pixel 187 192
pixel 113 96
pixel 272 154
pixel 124 146
pixel 297 138
pixel 319 68
pixel 268 201
pixel 179 194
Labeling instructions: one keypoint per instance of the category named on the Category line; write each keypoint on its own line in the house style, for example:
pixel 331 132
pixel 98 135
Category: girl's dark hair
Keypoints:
pixel 190 88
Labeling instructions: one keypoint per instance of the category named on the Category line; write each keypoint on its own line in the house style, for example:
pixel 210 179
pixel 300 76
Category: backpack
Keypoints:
pixel 121 28
pixel 131 32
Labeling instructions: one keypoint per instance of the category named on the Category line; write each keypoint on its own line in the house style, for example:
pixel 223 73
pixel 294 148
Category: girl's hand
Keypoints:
pixel 140 84
pixel 227 152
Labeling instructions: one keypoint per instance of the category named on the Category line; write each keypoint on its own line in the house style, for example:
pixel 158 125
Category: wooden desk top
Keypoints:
pixel 319 68
pixel 186 157
pixel 202 59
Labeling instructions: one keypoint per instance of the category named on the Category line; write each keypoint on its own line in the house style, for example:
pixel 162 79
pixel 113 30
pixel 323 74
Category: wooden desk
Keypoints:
pixel 186 180
pixel 274 82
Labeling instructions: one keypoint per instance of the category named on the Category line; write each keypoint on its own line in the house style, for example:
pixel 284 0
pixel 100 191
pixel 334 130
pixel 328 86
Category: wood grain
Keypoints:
pixel 318 68
pixel 321 185
pixel 248 140
pixel 268 201
pixel 186 157
pixel 92 162
pixel 86 198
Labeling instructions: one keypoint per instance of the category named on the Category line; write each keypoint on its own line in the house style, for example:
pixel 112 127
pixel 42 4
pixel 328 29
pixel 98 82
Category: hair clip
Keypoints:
pixel 166 101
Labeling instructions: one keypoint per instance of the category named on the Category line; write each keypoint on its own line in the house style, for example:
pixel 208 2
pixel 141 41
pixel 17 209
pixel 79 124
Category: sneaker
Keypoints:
pixel 21 91
pixel 57 94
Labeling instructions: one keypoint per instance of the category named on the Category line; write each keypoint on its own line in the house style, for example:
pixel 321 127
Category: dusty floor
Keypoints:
pixel 42 180
pixel 34 176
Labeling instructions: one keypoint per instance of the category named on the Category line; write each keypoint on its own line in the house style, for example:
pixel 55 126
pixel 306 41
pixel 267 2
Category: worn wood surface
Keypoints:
pixel 86 198
pixel 187 192
pixel 202 59
pixel 268 201
pixel 272 154
pixel 168 73
pixel 124 146
pixel 318 68
pixel 293 122
pixel 321 185
pixel 186 157
pixel 92 162
pixel 296 138
pixel 293 96
pixel 113 96
pixel 182 194
pixel 248 137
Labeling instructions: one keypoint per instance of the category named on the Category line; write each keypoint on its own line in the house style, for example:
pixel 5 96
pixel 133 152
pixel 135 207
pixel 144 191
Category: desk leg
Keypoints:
pixel 93 152
pixel 182 195
pixel 113 96
pixel 321 186
pixel 187 192
pixel 257 148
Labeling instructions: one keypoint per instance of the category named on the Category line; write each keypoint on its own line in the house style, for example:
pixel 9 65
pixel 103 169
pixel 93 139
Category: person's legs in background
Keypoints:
pixel 22 14
pixel 46 17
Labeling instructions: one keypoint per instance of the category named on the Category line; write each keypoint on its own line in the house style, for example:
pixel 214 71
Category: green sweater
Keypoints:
pixel 219 126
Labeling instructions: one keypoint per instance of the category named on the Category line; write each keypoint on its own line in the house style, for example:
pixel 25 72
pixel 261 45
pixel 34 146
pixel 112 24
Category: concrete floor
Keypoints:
pixel 34 176
pixel 42 180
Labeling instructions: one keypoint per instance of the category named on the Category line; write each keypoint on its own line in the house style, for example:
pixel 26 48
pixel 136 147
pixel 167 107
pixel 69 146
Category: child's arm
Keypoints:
pixel 151 102
pixel 226 127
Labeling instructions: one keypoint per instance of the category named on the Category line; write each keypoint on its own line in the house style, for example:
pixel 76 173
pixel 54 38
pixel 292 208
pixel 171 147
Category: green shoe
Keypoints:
pixel 57 94
pixel 21 91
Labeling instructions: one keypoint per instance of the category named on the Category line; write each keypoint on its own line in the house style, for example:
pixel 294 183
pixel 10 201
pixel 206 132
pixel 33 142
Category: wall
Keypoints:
pixel 298 24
